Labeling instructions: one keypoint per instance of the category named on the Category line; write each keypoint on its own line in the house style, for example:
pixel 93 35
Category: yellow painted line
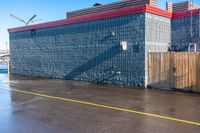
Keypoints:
pixel 107 107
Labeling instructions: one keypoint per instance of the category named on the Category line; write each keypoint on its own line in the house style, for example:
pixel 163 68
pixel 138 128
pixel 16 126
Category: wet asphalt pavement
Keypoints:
pixel 25 113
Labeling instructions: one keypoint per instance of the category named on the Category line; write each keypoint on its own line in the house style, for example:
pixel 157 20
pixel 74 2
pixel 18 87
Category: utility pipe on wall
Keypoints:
pixel 199 22
pixel 191 26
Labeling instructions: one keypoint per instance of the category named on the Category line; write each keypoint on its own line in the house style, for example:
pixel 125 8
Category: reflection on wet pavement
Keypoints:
pixel 3 68
pixel 22 113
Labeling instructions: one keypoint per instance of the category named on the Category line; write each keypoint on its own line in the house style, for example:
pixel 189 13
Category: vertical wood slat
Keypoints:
pixel 150 67
pixel 197 86
pixel 192 69
pixel 198 71
pixel 175 70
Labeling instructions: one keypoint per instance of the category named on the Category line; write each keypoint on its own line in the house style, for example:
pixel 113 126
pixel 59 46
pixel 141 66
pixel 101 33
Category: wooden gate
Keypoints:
pixel 174 70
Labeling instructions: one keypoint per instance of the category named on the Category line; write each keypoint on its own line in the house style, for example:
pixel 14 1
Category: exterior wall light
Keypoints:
pixel 124 45
pixel 192 47
pixel 33 32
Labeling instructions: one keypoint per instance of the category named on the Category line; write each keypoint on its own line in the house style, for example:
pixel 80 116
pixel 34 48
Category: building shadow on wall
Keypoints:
pixel 99 59
pixel 161 80
pixel 109 73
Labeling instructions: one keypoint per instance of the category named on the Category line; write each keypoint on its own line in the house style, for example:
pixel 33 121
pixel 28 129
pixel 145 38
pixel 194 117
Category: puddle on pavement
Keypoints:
pixel 5 102
pixel 3 69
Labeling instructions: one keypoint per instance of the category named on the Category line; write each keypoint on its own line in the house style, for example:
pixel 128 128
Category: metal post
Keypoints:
pixel 8 67
pixel 6 43
pixel 199 22
pixel 191 26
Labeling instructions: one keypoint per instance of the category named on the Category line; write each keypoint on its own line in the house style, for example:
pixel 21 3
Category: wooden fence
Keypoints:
pixel 174 70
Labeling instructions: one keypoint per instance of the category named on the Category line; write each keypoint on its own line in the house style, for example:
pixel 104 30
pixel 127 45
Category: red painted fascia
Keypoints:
pixel 177 15
pixel 158 11
pixel 97 16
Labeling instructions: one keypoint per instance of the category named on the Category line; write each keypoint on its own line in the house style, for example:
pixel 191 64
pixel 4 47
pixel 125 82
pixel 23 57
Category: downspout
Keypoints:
pixel 191 26
pixel 199 22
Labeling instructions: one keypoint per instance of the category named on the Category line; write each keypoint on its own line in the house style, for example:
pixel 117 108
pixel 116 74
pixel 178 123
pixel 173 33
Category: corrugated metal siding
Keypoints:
pixel 169 6
pixel 153 2
pixel 116 5
pixel 184 6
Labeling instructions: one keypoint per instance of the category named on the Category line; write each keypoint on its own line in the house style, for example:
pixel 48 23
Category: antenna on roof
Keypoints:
pixel 31 20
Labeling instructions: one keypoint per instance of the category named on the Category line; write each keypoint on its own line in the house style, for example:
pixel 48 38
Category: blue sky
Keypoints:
pixel 47 10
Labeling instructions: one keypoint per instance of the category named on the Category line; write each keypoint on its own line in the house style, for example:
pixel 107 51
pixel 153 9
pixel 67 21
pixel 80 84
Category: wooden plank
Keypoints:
pixel 167 73
pixel 198 73
pixel 162 70
pixel 175 70
pixel 196 88
pixel 192 69
pixel 150 69
pixel 185 71
pixel 172 70
pixel 171 79
pixel 155 71
pixel 191 60
pixel 181 70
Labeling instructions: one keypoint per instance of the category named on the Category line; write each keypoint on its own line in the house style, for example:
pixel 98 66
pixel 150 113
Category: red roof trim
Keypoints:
pixel 158 11
pixel 183 14
pixel 96 16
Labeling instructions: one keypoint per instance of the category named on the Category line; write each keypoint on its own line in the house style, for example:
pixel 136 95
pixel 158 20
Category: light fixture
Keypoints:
pixel 124 45
pixel 31 20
